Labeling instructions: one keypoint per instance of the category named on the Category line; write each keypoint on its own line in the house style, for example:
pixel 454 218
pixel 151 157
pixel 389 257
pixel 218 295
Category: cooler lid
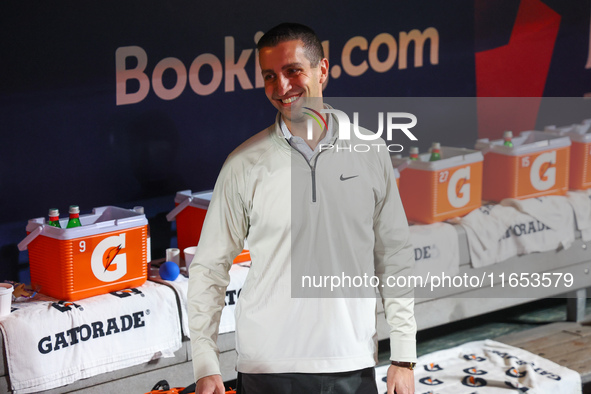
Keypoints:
pixel 527 142
pixel 450 157
pixel 576 132
pixel 101 220
pixel 185 198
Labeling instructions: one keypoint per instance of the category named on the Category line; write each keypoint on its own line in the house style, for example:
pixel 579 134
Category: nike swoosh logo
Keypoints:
pixel 349 177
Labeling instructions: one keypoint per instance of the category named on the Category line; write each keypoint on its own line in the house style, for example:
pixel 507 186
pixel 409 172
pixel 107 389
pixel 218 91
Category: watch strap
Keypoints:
pixel 404 364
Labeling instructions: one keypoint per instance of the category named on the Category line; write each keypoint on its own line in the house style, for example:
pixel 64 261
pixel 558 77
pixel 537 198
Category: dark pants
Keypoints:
pixel 354 382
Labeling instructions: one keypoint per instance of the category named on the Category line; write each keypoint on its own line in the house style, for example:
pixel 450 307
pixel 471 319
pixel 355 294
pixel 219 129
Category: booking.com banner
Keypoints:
pixel 104 103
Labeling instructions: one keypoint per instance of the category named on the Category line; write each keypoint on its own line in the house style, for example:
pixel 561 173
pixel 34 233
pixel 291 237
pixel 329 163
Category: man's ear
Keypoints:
pixel 323 70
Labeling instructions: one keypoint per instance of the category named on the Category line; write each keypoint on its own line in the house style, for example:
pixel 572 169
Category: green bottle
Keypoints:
pixel 413 153
pixel 74 217
pixel 507 137
pixel 54 218
pixel 435 152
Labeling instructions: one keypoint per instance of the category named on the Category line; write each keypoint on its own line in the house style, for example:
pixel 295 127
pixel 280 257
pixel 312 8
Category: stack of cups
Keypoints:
pixel 5 298
pixel 174 255
pixel 189 254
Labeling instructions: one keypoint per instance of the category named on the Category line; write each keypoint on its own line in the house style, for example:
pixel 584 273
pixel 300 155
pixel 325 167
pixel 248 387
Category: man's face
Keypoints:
pixel 289 77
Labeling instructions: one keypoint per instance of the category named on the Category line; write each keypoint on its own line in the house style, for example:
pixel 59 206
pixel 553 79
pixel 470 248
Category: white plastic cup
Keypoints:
pixel 189 254
pixel 6 290
pixel 173 254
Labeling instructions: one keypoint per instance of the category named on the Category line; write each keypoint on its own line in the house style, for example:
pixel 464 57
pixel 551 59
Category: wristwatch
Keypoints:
pixel 404 364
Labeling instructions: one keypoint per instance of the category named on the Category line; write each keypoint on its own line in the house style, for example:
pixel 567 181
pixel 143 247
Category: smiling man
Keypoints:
pixel 294 71
pixel 304 211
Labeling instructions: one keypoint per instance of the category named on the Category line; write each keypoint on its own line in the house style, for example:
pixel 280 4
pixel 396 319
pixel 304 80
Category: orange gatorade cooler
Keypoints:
pixel 433 191
pixel 107 253
pixel 536 165
pixel 397 176
pixel 189 213
pixel 580 153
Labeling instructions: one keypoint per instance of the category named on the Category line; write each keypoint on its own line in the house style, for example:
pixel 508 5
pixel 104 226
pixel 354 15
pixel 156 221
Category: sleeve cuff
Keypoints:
pixel 403 350
pixel 205 364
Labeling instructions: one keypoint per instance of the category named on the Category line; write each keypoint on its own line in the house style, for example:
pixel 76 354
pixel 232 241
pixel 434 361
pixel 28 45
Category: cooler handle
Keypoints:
pixel 486 149
pixel 402 166
pixel 172 214
pixel 22 245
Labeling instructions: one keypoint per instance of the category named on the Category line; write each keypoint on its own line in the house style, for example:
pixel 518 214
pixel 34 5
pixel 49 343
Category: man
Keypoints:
pixel 282 190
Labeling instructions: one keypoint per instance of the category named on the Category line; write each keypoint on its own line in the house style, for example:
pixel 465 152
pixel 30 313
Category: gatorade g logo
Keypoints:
pixel 127 293
pixel 471 381
pixel 432 367
pixel 65 306
pixel 458 189
pixel 430 382
pixel 474 357
pixel 541 174
pixel 475 371
pixel 514 373
pixel 108 263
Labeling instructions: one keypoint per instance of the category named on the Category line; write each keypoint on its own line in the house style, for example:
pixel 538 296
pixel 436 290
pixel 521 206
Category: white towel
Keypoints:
pixel 238 274
pixel 488 367
pixel 554 211
pixel 484 230
pixel 180 286
pixel 498 232
pixel 51 343
pixel 436 249
pixel 581 204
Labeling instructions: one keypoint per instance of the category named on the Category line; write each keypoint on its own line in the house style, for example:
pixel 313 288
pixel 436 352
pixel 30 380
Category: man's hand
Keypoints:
pixel 400 380
pixel 212 384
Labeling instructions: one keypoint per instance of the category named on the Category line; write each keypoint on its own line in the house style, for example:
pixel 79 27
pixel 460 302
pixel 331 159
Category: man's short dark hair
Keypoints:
pixel 294 31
